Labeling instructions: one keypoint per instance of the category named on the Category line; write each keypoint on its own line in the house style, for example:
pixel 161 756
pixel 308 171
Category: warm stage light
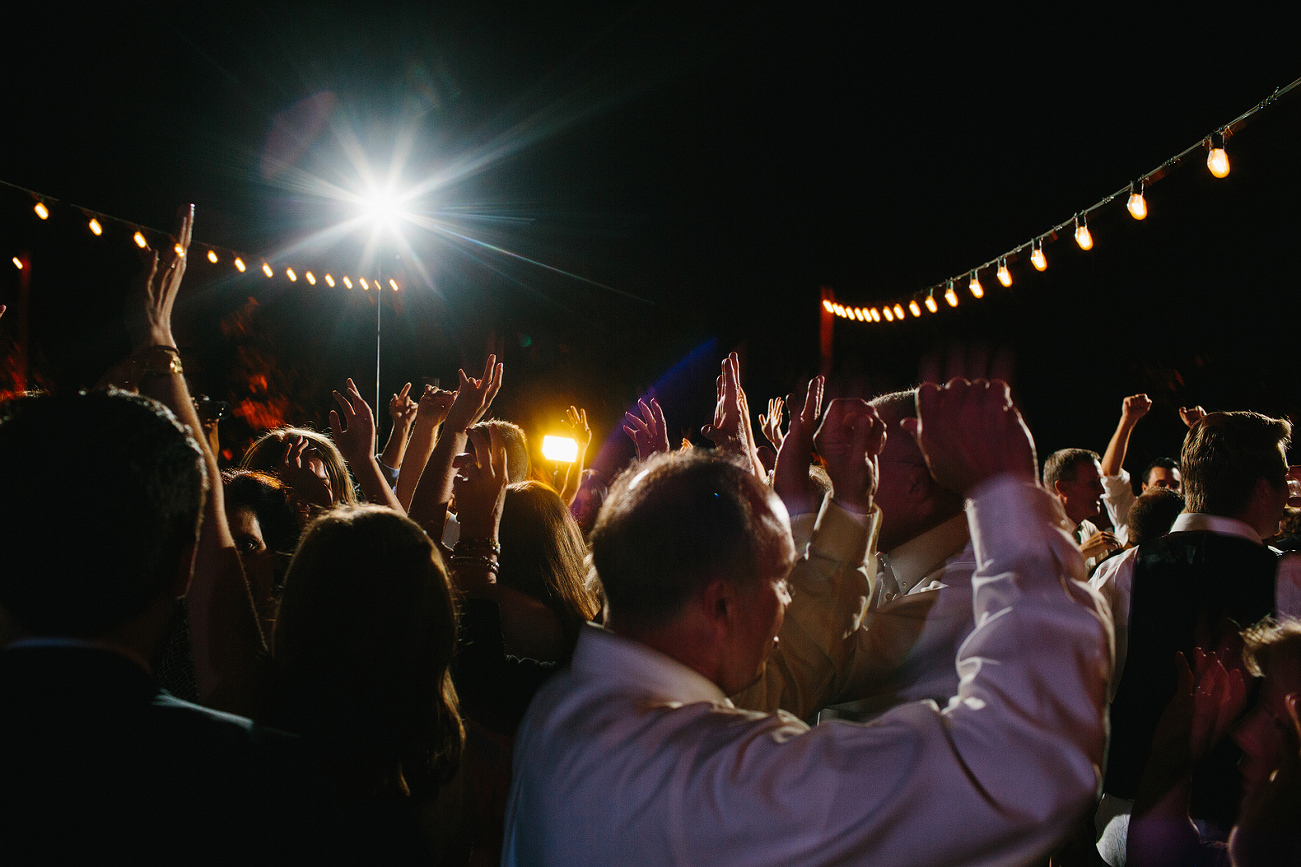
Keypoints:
pixel 1004 275
pixel 329 281
pixel 311 278
pixel 140 240
pixel 975 287
pixel 1137 204
pixel 559 449
pixel 1216 159
pixel 239 265
pixel 42 211
pixel 95 227
pixel 266 269
pixel 1037 257
pixel 289 272
pixel 1082 236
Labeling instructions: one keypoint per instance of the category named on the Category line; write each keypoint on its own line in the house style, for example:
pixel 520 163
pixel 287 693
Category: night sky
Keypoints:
pixel 693 175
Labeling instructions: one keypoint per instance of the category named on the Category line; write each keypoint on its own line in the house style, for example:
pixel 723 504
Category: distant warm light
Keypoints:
pixel 976 289
pixel 914 308
pixel 950 296
pixel 140 240
pixel 1216 159
pixel 876 314
pixel 329 281
pixel 362 281
pixel 346 281
pixel 95 228
pixel 42 211
pixel 1137 205
pixel 931 305
pixel 898 311
pixel 289 272
pixel 266 269
pixel 560 449
pixel 1082 236
pixel 393 283
pixel 212 256
pixel 311 278
pixel 239 264
pixel 180 251
pixel 18 263
pixel 1037 258
pixel 826 304
pixel 1004 275
pixel 889 314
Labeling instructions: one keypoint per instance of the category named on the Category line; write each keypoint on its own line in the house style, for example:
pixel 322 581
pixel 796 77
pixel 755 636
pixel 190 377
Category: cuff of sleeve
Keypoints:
pixel 802 530
pixel 1118 483
pixel 842 535
pixel 1007 515
pixel 390 474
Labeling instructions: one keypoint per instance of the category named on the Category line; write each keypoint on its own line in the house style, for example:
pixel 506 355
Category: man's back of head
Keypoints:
pixel 1226 455
pixel 518 465
pixel 104 491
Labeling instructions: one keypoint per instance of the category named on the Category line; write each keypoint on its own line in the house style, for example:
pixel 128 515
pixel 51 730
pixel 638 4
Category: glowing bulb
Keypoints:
pixel 898 311
pixel 239 264
pixel 858 313
pixel 180 251
pixel 876 315
pixel 289 272
pixel 95 227
pixel 931 305
pixel 1082 236
pixel 346 281
pixel 1037 257
pixel 311 278
pixel 364 284
pixel 975 287
pixel 212 256
pixel 1216 159
pixel 1137 205
pixel 889 314
pixel 18 263
pixel 563 450
pixel 914 308
pixel 44 212
pixel 1004 275
pixel 140 240
pixel 329 281
pixel 826 303
pixel 266 269
pixel 393 283
pixel 951 296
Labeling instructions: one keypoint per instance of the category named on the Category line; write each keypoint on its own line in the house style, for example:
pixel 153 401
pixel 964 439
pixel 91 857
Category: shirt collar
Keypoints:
pixel 601 654
pixel 923 554
pixel 1215 524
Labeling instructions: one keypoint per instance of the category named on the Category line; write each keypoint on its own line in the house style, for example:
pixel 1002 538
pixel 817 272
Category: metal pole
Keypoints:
pixel 379 315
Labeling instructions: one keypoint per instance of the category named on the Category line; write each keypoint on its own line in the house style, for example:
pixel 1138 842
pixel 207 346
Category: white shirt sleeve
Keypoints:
pixel 1117 497
pixel 1114 579
pixel 1287 588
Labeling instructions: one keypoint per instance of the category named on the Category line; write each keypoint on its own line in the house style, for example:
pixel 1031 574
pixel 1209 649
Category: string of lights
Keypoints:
pixel 98 224
pixel 1217 162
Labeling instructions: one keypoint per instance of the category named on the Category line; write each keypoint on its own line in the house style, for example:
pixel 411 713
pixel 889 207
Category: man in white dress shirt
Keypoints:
pixel 634 754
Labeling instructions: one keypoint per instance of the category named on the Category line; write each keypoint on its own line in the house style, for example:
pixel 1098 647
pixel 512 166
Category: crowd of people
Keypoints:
pixel 885 635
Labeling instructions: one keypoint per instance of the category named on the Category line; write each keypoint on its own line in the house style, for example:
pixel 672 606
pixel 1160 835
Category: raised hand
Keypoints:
pixel 433 406
pixel 474 397
pixel 771 424
pixel 727 430
pixel 353 425
pixel 1135 407
pixel 149 312
pixel 647 430
pixel 480 485
pixel 970 432
pixel 1099 545
pixel 1191 415
pixel 790 478
pixel 402 409
pixel 849 440
pixel 576 421
pixel 1267 828
pixel 302 469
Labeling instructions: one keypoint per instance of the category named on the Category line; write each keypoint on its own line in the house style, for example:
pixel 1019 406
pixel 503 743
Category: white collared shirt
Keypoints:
pixel 630 757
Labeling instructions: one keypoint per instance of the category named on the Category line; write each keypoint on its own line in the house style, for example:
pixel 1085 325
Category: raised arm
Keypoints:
pixel 577 420
pixel 430 412
pixel 227 643
pixel 353 427
pixel 1131 411
pixel 402 410
pixel 647 429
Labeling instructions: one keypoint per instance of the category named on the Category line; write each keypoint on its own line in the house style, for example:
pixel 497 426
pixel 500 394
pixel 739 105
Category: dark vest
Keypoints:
pixel 1191 589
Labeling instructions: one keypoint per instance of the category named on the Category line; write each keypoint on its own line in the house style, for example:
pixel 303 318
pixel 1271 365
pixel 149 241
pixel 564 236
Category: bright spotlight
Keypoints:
pixel 382 209
pixel 560 449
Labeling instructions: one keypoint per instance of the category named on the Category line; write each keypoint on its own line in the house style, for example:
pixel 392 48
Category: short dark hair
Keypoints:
pixel 518 465
pixel 1153 514
pixel 1226 453
pixel 104 489
pixel 1062 465
pixel 1269 639
pixel 673 524
pixel 1160 463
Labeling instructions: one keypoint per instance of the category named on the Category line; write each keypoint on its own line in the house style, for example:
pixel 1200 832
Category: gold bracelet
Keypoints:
pixel 159 361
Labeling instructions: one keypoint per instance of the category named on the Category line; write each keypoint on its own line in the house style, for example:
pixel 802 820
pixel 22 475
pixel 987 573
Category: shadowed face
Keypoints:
pixel 1081 495
pixel 761 604
pixel 1262 734
pixel 1164 477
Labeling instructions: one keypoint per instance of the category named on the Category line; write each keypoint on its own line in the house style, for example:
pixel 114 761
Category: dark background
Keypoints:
pixel 705 170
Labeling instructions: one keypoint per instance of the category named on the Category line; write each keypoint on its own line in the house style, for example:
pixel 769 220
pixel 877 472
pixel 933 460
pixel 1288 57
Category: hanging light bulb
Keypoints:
pixel 1004 275
pixel 239 264
pixel 1216 159
pixel 140 240
pixel 1137 204
pixel 1037 258
pixel 266 269
pixel 889 314
pixel 42 211
pixel 212 256
pixel 1082 236
pixel 898 312
pixel 180 251
pixel 289 272
pixel 826 305
pixel 876 315
pixel 951 296
pixel 18 263
pixel 311 278
pixel 914 308
pixel 95 228
pixel 858 313
pixel 930 302
pixel 975 287
pixel 365 285
pixel 346 281
pixel 329 281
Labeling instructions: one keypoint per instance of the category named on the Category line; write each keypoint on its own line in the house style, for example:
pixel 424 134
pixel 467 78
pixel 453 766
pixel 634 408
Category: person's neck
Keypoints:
pixel 678 640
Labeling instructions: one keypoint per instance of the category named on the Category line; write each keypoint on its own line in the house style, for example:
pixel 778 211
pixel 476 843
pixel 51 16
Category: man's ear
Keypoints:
pixel 1057 489
pixel 718 600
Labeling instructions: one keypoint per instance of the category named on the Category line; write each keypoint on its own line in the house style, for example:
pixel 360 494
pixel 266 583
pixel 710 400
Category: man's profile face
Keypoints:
pixel 761 607
pixel 1164 477
pixel 1081 493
